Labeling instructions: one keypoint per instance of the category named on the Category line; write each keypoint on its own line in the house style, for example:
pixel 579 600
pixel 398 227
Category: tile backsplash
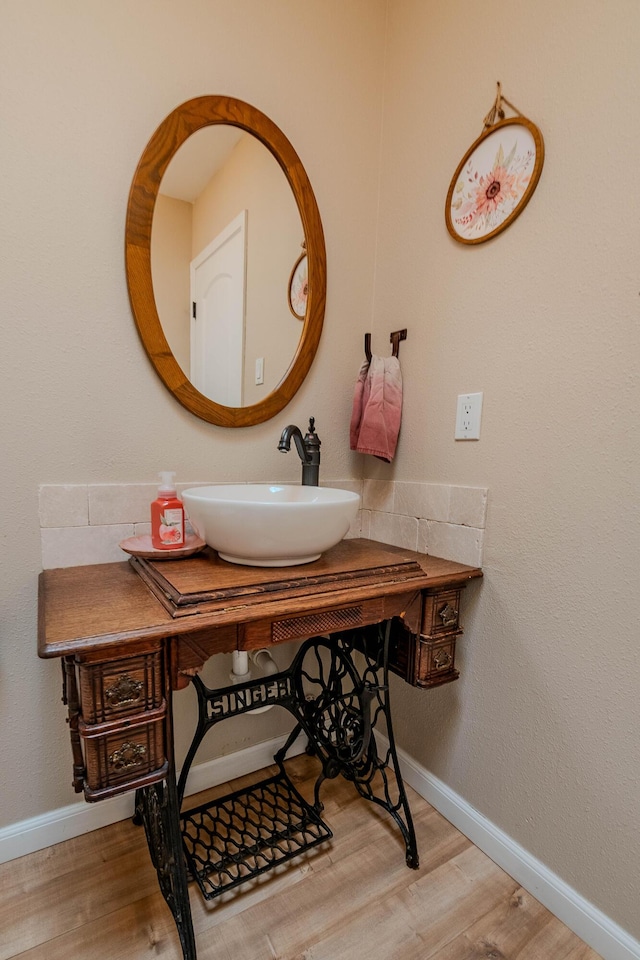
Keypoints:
pixel 84 523
pixel 437 518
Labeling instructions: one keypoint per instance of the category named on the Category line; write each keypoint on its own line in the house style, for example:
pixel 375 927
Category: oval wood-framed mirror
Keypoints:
pixel 172 133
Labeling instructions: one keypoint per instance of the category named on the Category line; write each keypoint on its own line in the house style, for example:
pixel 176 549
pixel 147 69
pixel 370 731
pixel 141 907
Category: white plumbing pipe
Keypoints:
pixel 240 666
pixel 241 671
pixel 264 662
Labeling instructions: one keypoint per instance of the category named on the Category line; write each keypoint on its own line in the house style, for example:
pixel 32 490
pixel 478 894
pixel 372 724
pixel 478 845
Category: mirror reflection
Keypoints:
pixel 226 234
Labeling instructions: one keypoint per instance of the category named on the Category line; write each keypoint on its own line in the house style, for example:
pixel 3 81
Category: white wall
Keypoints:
pixel 84 85
pixel 171 273
pixel 541 733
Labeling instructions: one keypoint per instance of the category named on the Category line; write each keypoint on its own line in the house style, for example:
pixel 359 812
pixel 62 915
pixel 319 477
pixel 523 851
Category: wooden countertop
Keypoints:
pixel 89 607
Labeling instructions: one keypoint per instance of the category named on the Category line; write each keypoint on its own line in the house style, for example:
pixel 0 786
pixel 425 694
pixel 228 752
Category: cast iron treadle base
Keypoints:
pixel 237 837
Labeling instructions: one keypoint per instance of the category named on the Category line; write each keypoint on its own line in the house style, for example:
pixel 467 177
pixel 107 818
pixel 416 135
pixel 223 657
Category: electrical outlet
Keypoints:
pixel 468 416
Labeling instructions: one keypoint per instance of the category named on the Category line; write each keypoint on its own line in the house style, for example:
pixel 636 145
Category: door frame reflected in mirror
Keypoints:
pixel 167 139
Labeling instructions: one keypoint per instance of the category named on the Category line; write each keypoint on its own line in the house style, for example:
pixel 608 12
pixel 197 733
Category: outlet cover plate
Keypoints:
pixel 468 416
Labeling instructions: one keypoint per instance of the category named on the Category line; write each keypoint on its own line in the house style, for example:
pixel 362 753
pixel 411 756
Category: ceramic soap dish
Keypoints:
pixel 142 547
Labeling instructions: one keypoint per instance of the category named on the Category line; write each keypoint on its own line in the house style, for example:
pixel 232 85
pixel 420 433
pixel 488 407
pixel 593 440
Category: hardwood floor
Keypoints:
pixel 96 898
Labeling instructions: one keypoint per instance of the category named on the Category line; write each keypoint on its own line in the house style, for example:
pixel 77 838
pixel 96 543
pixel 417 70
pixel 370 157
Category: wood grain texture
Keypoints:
pixel 208 579
pixel 167 139
pixel 107 607
pixel 96 897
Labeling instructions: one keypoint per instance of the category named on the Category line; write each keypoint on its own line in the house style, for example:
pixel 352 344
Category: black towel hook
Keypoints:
pixel 394 338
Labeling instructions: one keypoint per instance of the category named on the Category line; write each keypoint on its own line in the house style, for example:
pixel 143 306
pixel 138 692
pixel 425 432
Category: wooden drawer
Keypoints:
pixel 123 687
pixel 441 613
pixel 422 661
pixel 435 663
pixel 263 633
pixel 121 756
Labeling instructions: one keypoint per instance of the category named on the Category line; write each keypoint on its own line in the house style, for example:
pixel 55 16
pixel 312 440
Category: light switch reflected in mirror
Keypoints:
pixel 226 232
pixel 220 211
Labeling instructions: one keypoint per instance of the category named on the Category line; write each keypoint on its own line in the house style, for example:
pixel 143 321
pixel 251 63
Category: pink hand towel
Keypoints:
pixel 377 408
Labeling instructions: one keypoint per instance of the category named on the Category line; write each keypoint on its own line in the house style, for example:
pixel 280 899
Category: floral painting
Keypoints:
pixel 299 288
pixel 494 181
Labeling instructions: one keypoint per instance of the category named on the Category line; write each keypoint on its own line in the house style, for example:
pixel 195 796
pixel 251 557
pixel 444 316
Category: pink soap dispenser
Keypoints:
pixel 167 516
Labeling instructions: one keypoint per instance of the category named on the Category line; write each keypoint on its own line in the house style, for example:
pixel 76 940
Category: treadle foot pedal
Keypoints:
pixel 237 837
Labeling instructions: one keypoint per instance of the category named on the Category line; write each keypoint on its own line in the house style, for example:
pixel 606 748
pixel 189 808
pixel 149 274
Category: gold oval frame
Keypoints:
pixel 524 198
pixel 170 135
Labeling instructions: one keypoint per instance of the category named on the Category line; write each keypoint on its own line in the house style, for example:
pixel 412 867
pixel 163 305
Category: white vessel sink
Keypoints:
pixel 270 525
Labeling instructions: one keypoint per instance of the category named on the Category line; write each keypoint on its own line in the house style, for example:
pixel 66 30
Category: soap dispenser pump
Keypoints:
pixel 167 516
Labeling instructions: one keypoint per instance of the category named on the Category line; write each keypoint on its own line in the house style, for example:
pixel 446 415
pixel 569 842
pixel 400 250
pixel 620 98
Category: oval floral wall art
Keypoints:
pixel 299 287
pixel 494 180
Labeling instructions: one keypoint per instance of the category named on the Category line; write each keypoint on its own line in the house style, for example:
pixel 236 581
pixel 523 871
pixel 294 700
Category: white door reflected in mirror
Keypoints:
pixel 218 175
pixel 218 282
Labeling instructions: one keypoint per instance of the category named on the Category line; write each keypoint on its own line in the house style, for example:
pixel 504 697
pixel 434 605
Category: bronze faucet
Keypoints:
pixel 308 448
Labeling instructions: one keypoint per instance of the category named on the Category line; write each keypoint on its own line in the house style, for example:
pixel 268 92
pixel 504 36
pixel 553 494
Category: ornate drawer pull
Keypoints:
pixel 124 690
pixel 448 615
pixel 128 755
pixel 442 660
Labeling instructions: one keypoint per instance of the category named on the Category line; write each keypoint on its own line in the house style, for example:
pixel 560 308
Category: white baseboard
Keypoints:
pixel 27 836
pixel 590 924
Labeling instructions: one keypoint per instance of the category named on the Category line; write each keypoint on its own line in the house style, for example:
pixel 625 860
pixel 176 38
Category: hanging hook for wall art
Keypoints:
pixel 496 177
pixel 497 112
pixel 394 338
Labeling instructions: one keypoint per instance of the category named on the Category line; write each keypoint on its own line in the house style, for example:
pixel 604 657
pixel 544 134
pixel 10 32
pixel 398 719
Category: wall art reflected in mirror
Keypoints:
pixel 218 206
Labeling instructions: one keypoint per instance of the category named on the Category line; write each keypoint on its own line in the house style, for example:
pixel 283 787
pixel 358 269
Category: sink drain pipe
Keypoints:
pixel 241 670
